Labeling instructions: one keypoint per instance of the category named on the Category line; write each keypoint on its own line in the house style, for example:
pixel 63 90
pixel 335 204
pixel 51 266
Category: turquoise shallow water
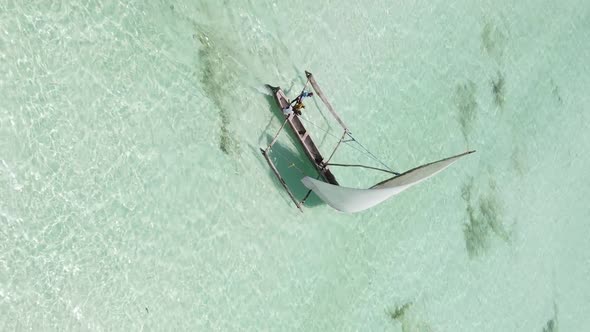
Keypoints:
pixel 133 195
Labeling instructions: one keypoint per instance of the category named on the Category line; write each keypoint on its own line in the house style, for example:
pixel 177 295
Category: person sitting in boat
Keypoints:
pixel 301 96
pixel 297 108
pixel 288 110
pixel 299 101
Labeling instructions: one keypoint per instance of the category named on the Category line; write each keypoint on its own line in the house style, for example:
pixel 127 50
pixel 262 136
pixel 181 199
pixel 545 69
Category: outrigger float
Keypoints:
pixel 329 190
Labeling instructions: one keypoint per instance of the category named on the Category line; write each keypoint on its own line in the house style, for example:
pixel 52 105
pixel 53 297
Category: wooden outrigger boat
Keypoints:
pixel 304 139
pixel 342 198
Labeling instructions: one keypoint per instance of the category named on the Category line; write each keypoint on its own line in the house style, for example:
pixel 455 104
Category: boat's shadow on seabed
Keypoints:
pixel 292 165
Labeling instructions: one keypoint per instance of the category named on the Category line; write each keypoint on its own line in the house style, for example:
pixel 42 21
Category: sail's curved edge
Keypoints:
pixel 348 199
pixel 420 173
pixel 354 200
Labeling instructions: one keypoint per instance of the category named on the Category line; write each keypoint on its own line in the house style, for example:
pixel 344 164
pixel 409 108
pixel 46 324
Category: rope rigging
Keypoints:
pixel 345 138
pixel 362 149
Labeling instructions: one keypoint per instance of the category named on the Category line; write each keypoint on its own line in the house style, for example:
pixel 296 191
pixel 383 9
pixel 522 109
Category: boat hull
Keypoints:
pixel 302 135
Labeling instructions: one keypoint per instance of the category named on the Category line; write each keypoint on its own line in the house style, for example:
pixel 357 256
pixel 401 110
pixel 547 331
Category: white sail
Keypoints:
pixel 355 200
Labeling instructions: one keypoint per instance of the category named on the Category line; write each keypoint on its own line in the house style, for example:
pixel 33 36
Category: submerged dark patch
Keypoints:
pixel 517 161
pixel 215 79
pixel 398 312
pixel 551 326
pixel 498 89
pixel 409 321
pixel 466 104
pixel 555 92
pixel 484 221
pixel 493 39
pixel 225 139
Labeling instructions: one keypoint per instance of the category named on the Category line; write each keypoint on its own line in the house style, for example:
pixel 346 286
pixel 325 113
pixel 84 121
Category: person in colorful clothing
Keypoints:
pixel 299 101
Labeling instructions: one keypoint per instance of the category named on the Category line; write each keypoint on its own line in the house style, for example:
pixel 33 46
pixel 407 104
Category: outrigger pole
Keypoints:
pixel 274 169
pixel 319 92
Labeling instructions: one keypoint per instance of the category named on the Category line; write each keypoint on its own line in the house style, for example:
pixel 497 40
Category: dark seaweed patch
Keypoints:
pixel 476 234
pixel 408 321
pixel 466 104
pixel 555 92
pixel 225 140
pixel 498 89
pixel 551 326
pixel 517 161
pixel 215 78
pixel 493 39
pixel 466 190
pixel 484 220
pixel 398 312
